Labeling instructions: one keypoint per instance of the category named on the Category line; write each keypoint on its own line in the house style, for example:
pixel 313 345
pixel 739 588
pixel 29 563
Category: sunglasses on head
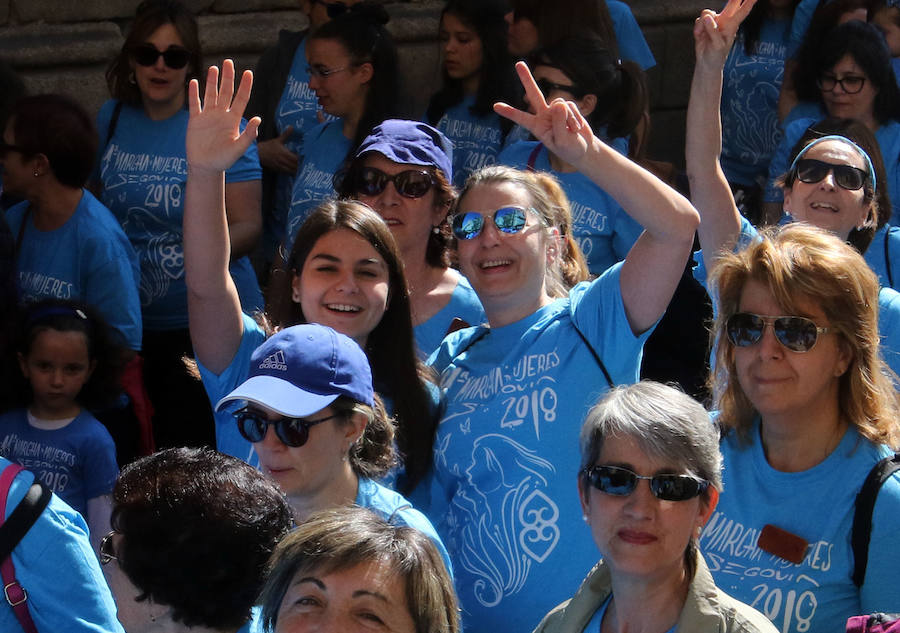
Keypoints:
pixel 106 550
pixel 546 87
pixel 811 171
pixel 797 334
pixel 174 57
pixel 468 226
pixel 621 482
pixel 410 183
pixel 294 432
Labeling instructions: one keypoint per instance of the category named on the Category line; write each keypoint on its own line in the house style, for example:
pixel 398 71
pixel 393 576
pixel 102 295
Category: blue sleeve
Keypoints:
pixel 247 166
pixel 632 45
pixel 802 17
pixel 879 591
pixel 57 567
pixel 100 467
pixel 599 314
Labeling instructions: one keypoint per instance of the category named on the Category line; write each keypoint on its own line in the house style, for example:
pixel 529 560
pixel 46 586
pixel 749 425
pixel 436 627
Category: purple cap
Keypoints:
pixel 303 369
pixel 410 143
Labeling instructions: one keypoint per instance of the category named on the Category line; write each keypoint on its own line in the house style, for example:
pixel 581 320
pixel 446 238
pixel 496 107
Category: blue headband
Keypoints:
pixel 843 139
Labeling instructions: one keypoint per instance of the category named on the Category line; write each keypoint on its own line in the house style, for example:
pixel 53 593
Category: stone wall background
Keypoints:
pixel 65 45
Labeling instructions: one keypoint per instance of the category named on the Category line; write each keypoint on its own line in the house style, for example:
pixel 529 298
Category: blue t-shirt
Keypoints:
pixel 818 595
pixel 77 462
pixel 883 256
pixel 888 137
pixel 601 227
pixel 750 89
pixel 632 45
pixel 87 259
pixel 143 169
pixel 324 150
pixel 506 451
pixel 464 304
pixel 476 139
pixel 59 571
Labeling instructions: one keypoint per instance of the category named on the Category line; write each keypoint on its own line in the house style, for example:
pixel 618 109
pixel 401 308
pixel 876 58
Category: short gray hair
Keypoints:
pixel 664 421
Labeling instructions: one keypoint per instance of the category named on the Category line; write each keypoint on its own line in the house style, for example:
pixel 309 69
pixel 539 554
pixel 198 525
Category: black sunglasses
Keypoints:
pixel 811 171
pixel 174 57
pixel 797 334
pixel 410 183
pixel 620 482
pixel 333 9
pixel 546 86
pixel 106 551
pixel 293 432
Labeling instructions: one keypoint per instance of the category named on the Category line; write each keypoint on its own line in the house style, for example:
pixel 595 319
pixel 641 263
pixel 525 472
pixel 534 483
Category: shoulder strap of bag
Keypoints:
pixel 113 121
pixel 11 532
pixel 862 516
pixel 532 157
pixel 887 258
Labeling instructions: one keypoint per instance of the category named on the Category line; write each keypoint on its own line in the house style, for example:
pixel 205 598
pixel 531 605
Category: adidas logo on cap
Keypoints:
pixel 274 361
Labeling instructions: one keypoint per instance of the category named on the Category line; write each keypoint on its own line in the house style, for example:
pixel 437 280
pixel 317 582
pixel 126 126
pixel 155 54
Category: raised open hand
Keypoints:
pixel 558 125
pixel 214 137
pixel 714 33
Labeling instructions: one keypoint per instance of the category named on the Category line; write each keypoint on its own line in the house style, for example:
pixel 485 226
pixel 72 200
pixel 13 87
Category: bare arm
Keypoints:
pixel 242 202
pixel 214 142
pixel 98 511
pixel 720 221
pixel 654 265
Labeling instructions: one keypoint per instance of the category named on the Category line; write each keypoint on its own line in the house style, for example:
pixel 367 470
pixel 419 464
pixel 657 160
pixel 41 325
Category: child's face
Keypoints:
pixel 57 366
pixel 886 20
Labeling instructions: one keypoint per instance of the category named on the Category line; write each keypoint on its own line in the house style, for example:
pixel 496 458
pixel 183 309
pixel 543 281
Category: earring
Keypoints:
pixel 436 230
pixel 131 78
pixel 36 174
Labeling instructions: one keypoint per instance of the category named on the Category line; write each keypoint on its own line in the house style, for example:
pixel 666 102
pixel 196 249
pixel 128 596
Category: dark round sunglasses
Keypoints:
pixel 469 225
pixel 621 482
pixel 797 334
pixel 174 57
pixel 811 171
pixel 369 181
pixel 546 87
pixel 293 432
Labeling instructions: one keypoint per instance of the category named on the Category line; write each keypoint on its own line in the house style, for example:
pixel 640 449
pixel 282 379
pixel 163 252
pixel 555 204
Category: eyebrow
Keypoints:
pixel 312 579
pixel 365 592
pixel 332 258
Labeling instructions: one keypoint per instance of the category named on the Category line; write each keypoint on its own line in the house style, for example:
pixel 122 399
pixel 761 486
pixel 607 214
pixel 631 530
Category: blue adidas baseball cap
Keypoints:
pixel 303 369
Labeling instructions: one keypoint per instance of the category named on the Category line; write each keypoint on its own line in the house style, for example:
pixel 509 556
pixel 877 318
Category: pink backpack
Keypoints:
pixel 875 623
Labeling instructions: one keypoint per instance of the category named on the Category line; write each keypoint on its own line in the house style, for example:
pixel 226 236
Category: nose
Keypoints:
pixel 509 18
pixel 490 234
pixel 347 282
pixel 270 440
pixel 641 501
pixel 56 377
pixel 769 347
pixel 828 181
pixel 314 81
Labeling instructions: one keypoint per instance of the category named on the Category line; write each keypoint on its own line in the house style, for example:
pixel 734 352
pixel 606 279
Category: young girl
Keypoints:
pixel 477 72
pixel 68 361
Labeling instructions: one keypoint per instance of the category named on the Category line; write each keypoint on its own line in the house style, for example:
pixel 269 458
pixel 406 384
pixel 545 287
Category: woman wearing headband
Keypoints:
pixel 651 576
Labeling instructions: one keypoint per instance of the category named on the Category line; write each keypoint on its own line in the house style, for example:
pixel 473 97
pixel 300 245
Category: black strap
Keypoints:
pixel 113 121
pixel 21 235
pixel 23 517
pixel 532 157
pixel 887 258
pixel 862 515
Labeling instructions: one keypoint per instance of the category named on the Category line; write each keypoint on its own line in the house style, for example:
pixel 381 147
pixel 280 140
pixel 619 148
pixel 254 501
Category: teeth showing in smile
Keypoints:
pixel 824 205
pixel 495 262
pixel 343 307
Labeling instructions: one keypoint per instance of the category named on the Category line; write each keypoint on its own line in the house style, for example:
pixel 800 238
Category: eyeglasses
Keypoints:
pixel 546 86
pixel 621 482
pixel 851 84
pixel 797 334
pixel 410 183
pixel 175 57
pixel 293 432
pixel 106 551
pixel 333 9
pixel 810 171
pixel 468 226
pixel 323 73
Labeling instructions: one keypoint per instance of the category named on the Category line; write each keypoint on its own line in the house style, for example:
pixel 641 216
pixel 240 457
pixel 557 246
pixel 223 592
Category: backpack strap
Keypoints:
pixel 862 515
pixel 532 157
pixel 11 532
pixel 887 258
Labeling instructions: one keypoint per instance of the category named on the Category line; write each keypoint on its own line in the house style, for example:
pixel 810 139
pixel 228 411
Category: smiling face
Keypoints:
pixel 839 103
pixel 780 382
pixel 410 219
pixel 343 88
pixel 57 366
pixel 343 284
pixel 507 270
pixel 368 597
pixel 826 204
pixel 462 50
pixel 162 88
pixel 638 535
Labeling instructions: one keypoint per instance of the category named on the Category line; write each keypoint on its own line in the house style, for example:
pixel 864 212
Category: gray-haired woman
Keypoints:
pixel 652 576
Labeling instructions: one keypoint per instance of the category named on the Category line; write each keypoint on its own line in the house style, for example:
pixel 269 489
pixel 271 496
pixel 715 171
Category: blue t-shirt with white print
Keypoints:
pixel 324 150
pixel 143 170
pixel 817 595
pixel 476 139
pixel 601 227
pixel 506 451
pixel 87 259
pixel 464 304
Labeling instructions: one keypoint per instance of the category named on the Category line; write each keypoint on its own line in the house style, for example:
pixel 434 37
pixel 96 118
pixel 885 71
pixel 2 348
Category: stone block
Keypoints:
pixel 55 11
pixel 414 22
pixel 231 34
pixel 656 39
pixel 678 66
pixel 667 128
pixel 420 74
pixel 662 11
pixel 4 12
pixel 47 45
pixel 87 84
pixel 243 6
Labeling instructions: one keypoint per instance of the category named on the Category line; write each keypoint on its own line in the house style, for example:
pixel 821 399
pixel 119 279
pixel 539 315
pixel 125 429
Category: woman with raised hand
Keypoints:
pixel 513 388
pixel 345 272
